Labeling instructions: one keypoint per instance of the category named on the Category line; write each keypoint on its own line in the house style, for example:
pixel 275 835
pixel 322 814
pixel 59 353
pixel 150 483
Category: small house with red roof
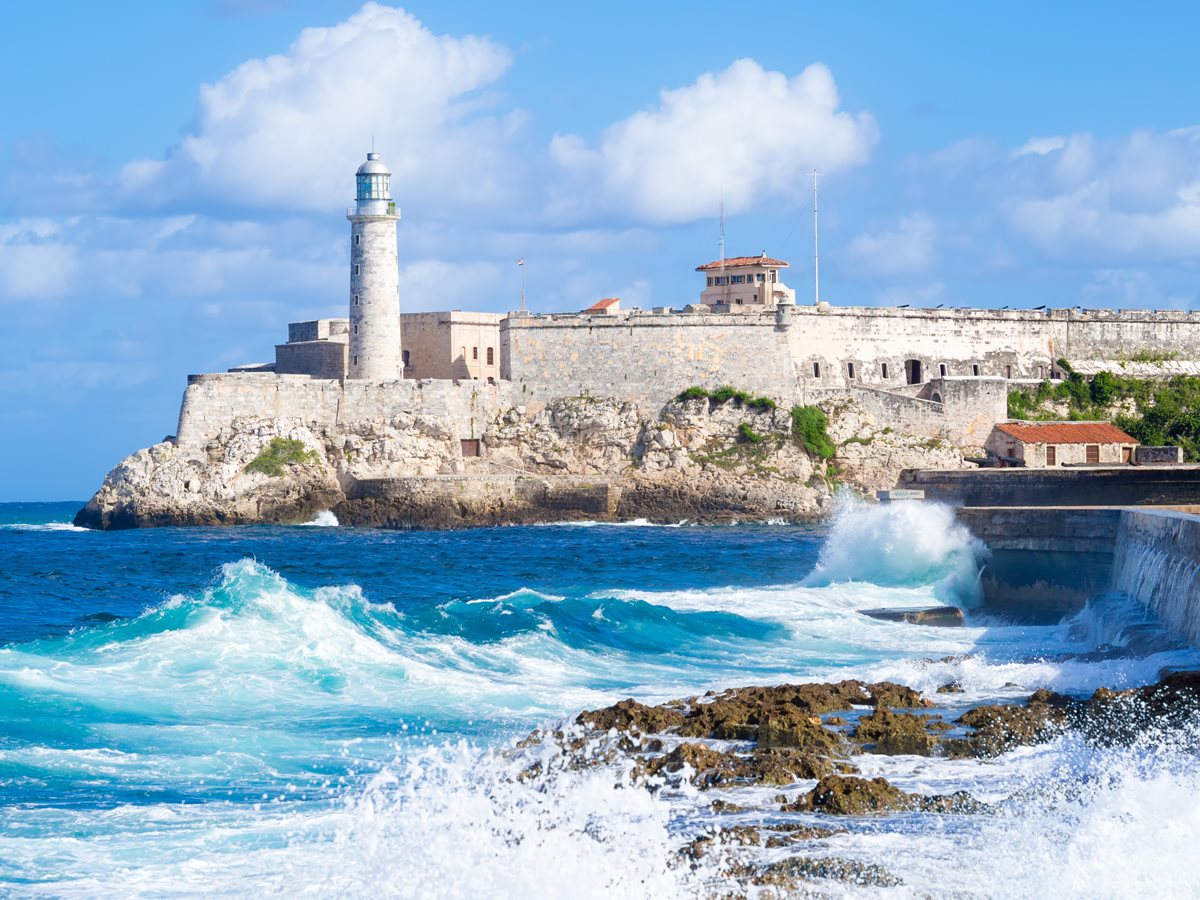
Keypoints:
pixel 1050 444
pixel 609 306
pixel 745 284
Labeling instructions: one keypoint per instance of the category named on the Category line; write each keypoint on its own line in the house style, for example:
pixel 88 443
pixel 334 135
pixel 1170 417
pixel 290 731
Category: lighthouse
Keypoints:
pixel 374 277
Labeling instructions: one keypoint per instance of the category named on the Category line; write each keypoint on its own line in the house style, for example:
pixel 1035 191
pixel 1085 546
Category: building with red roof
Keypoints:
pixel 1050 444
pixel 745 284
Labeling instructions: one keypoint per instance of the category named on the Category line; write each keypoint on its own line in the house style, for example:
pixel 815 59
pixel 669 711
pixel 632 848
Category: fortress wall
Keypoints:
pixel 645 358
pixel 1029 341
pixel 212 402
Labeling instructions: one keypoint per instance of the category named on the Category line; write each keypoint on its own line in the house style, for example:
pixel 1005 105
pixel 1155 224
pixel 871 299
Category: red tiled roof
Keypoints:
pixel 1066 433
pixel 604 304
pixel 732 261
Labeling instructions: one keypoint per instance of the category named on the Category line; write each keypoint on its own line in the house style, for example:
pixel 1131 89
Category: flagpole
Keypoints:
pixel 521 263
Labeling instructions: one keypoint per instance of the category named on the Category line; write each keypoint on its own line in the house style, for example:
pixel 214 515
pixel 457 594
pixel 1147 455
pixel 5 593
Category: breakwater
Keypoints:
pixel 1045 562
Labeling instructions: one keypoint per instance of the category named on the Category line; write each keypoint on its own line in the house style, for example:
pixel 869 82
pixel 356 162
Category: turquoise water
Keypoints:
pixel 250 711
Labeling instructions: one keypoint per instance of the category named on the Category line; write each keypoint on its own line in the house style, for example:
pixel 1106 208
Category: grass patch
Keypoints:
pixel 748 435
pixel 811 429
pixel 279 453
pixel 725 394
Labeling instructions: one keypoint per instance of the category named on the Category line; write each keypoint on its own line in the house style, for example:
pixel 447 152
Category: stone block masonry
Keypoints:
pixel 212 402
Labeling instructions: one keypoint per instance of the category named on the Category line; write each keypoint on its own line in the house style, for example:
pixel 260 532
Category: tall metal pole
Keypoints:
pixel 816 246
pixel 521 263
pixel 724 279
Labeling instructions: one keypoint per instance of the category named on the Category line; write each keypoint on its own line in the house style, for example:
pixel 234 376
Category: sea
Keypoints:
pixel 321 711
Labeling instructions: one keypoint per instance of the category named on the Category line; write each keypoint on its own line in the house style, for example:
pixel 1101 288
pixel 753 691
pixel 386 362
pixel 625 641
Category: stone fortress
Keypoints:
pixel 393 395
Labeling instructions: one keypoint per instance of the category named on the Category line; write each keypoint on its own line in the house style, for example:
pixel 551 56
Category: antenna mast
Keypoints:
pixel 724 280
pixel 816 245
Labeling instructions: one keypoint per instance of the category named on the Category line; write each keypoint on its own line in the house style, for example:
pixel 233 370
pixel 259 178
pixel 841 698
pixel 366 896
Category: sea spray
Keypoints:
pixel 902 543
pixel 336 718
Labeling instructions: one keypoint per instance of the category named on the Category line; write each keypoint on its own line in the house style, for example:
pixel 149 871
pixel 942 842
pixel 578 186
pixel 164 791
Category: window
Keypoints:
pixel 470 448
pixel 774 277
pixel 357 270
pixel 356 329
pixel 710 281
pixel 738 301
pixel 1051 455
pixel 356 360
pixel 760 277
pixel 357 240
pixel 356 302
pixel 975 370
pixel 942 369
pixel 816 370
pixel 1092 454
pixel 739 279
pixel 1008 371
pixel 883 370
pixel 404 354
pixel 474 353
pixel 850 371
pixel 491 356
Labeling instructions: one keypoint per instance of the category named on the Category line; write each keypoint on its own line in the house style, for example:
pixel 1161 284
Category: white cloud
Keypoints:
pixel 1041 146
pixel 35 263
pixel 288 130
pixel 907 249
pixel 744 131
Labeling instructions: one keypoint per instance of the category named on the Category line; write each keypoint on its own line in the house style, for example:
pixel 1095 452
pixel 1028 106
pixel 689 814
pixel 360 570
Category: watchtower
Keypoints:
pixel 374 277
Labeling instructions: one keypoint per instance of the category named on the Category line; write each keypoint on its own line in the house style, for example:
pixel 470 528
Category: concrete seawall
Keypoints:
pixel 1116 486
pixel 1046 561
pixel 1157 562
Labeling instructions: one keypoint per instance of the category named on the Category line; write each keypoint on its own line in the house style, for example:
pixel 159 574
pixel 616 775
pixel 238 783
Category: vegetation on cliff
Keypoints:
pixel 725 394
pixel 278 454
pixel 1156 412
pixel 810 427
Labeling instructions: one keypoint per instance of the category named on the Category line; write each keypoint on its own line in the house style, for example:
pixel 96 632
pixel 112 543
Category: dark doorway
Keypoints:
pixel 470 448
pixel 912 371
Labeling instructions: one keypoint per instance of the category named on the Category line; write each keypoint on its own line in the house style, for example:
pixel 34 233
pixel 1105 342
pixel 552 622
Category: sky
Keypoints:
pixel 174 177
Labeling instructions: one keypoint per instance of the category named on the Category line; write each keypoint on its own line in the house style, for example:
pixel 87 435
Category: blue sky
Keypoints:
pixel 174 176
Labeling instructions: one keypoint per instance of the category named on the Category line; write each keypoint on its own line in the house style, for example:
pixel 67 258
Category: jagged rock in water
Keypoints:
pixel 629 715
pixel 999 728
pixel 791 873
pixel 894 733
pixel 938 616
pixel 850 796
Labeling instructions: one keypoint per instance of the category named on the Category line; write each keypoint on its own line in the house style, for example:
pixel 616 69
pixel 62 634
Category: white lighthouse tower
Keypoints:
pixel 374 277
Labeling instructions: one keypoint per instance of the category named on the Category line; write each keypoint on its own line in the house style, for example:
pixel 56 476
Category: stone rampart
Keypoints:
pixel 644 358
pixel 212 402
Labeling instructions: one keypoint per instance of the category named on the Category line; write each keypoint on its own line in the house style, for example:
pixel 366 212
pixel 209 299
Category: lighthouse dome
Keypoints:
pixel 373 166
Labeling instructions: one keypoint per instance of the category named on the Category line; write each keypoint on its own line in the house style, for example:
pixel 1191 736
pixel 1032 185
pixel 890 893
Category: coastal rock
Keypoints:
pixel 894 733
pixel 791 873
pixel 999 728
pixel 850 796
pixel 574 458
pixel 937 616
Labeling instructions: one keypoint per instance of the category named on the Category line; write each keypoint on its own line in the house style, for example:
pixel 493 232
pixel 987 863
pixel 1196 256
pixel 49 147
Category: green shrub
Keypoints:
pixel 748 435
pixel 693 393
pixel 1103 389
pixel 762 403
pixel 726 393
pixel 279 453
pixel 811 429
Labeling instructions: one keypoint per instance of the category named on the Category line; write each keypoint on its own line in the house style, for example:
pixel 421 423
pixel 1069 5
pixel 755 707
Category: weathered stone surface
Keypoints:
pixel 791 873
pixel 850 796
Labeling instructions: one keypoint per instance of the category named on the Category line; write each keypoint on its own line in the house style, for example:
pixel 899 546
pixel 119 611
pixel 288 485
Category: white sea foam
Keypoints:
pixel 44 526
pixel 324 519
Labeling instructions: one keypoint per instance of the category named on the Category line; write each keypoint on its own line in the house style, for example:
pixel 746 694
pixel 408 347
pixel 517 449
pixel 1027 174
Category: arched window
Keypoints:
pixel 491 356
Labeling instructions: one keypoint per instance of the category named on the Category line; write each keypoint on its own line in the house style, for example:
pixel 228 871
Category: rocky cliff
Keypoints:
pixel 580 457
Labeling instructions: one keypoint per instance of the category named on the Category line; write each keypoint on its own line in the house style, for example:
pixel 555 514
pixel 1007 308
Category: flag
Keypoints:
pixel 521 261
